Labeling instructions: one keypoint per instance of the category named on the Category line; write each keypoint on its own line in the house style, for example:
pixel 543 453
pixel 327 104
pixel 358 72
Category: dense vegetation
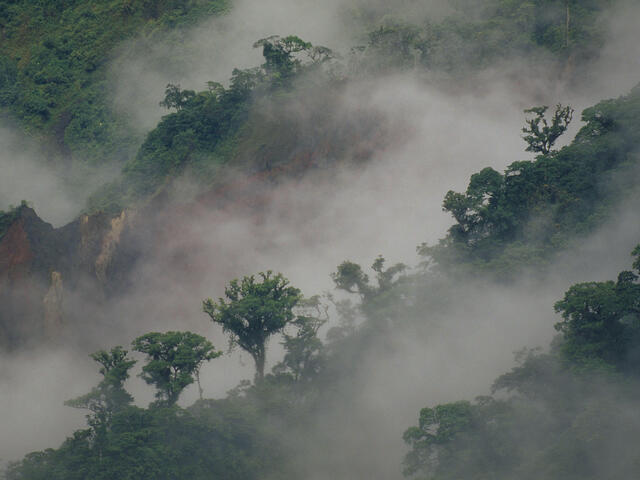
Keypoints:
pixel 562 414
pixel 53 59
pixel 568 413
pixel 478 34
pixel 232 438
pixel 53 74
pixel 210 129
pixel 211 439
pixel 203 132
pixel 524 215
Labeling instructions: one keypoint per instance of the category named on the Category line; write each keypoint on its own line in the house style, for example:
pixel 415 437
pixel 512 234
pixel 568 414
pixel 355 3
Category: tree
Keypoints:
pixel 380 298
pixel 173 359
pixel 539 134
pixel 567 22
pixel 288 56
pixel 350 278
pixel 280 54
pixel 253 311
pixel 601 322
pixel 436 428
pixel 109 397
pixel 477 211
pixel 176 98
pixel 304 351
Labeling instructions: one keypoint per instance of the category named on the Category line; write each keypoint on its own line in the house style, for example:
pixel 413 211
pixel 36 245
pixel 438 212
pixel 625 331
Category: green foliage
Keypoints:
pixel 173 360
pixel 396 45
pixel 8 81
pixel 534 208
pixel 560 415
pixel 203 132
pixel 479 34
pixel 464 440
pixel 53 75
pixel 53 61
pixel 304 352
pixel 176 98
pixel 288 57
pixel 540 136
pixel 547 427
pixel 281 62
pixel 350 277
pixel 212 439
pixel 601 323
pixel 253 311
pixel 476 211
pixel 201 123
pixel 556 425
pixel 379 299
pixel 109 397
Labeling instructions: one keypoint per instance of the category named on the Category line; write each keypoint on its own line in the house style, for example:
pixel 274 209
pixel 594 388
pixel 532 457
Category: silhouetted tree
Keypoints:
pixel 539 134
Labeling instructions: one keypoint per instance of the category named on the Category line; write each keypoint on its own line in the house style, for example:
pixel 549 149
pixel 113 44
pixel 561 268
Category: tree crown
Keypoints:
pixel 253 310
pixel 173 358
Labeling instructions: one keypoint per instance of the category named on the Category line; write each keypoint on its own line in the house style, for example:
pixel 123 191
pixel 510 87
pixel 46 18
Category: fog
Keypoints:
pixel 386 206
pixel 212 50
pixel 25 174
pixel 34 386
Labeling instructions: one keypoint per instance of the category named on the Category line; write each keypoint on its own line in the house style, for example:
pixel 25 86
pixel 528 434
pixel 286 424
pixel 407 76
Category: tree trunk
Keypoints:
pixel 259 358
pixel 568 21
pixel 198 382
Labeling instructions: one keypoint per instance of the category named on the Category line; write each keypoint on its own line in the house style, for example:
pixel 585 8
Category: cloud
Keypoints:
pixel 387 206
pixel 57 191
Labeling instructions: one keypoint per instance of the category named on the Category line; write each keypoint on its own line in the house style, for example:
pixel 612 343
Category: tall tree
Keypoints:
pixel 173 359
pixel 109 396
pixel 539 134
pixel 253 311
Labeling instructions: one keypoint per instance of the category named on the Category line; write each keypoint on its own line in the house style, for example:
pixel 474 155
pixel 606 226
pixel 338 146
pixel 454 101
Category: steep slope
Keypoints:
pixel 38 264
pixel 523 216
pixel 53 62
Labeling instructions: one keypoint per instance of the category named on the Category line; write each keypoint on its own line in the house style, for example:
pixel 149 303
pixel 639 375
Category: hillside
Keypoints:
pixel 53 61
pixel 311 159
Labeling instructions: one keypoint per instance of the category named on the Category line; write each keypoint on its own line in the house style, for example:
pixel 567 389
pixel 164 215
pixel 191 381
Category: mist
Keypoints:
pixel 57 188
pixel 25 175
pixel 384 207
pixel 34 387
pixel 210 51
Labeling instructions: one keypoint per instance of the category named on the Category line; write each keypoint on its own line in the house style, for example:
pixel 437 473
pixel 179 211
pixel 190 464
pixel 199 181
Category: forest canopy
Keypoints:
pixel 220 164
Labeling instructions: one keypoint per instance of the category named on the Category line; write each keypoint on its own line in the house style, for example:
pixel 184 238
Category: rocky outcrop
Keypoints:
pixel 53 306
pixel 34 260
pixel 110 243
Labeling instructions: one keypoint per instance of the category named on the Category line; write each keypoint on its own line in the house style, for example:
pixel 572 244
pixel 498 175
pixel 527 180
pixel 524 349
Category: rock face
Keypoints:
pixel 37 262
pixel 53 306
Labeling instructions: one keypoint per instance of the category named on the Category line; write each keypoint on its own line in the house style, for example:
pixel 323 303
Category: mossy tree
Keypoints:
pixel 253 311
